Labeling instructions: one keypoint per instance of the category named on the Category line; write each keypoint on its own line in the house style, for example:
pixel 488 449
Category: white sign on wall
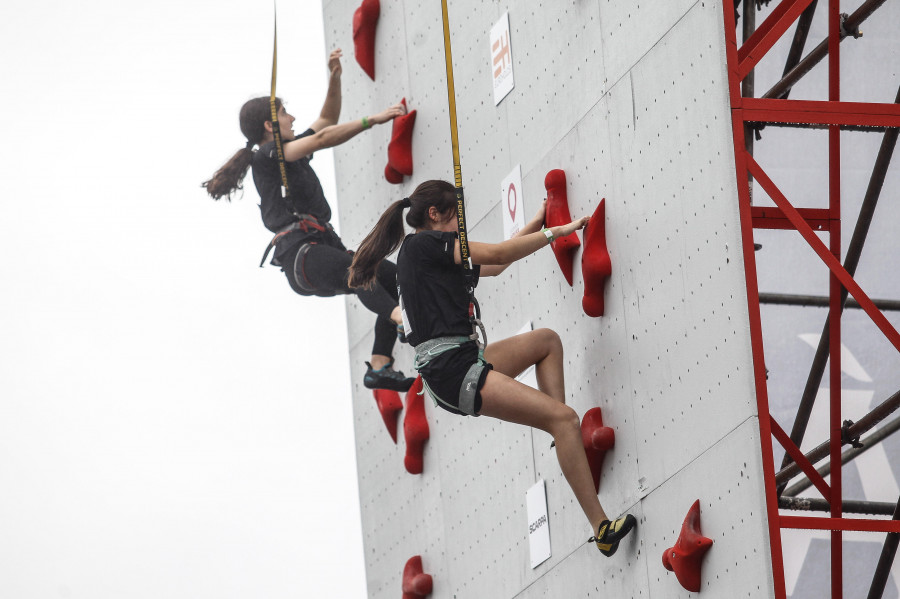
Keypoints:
pixel 538 525
pixel 501 59
pixel 511 203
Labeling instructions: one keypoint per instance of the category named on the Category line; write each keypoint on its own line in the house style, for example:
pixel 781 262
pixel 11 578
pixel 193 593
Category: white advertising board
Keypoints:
pixel 511 205
pixel 501 59
pixel 538 525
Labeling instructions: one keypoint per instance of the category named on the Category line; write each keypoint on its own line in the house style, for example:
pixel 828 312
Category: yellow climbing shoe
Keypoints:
pixel 610 533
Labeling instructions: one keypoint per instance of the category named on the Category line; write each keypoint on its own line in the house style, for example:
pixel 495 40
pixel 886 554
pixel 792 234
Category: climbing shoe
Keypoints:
pixel 610 533
pixel 401 334
pixel 386 378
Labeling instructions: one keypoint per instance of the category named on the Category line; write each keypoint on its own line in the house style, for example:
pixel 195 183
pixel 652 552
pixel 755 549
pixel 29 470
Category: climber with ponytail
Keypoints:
pixel 305 246
pixel 459 376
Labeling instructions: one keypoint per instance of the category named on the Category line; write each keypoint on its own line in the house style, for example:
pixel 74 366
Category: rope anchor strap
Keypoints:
pixel 276 127
pixel 460 197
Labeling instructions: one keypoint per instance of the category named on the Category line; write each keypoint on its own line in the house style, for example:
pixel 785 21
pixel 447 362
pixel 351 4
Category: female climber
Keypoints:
pixel 306 247
pixel 435 306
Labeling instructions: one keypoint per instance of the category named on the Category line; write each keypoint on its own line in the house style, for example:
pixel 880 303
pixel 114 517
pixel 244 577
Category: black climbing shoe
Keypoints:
pixel 610 533
pixel 386 378
pixel 401 334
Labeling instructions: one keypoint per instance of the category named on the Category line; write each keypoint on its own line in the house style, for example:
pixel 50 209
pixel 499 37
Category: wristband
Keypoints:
pixel 548 233
pixel 365 122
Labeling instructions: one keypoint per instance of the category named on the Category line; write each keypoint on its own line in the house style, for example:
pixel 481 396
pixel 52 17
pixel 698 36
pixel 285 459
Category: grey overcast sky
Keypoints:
pixel 174 421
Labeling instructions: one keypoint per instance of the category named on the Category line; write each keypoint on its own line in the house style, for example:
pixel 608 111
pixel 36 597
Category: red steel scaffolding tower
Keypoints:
pixel 775 108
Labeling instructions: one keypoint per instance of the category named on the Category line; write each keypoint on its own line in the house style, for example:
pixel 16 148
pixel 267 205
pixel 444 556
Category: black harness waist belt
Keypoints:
pixel 305 223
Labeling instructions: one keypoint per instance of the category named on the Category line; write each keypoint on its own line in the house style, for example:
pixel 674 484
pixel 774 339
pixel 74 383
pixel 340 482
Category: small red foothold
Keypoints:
pixel 389 404
pixel 392 176
pixel 400 160
pixel 558 214
pixel 685 557
pixel 597 440
pixel 415 428
pixel 416 584
pixel 365 20
pixel 595 263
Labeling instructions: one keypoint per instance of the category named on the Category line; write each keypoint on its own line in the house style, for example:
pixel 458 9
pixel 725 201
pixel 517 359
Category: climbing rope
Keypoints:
pixel 276 128
pixel 460 200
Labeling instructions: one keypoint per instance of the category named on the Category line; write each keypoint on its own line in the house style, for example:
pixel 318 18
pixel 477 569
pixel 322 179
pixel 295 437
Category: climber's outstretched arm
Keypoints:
pixel 532 226
pixel 331 109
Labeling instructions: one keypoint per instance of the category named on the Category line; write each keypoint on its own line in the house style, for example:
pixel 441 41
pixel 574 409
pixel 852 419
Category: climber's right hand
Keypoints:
pixel 387 115
pixel 563 230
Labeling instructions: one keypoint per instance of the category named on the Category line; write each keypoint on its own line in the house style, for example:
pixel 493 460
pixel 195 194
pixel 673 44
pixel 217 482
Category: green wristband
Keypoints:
pixel 365 122
pixel 548 233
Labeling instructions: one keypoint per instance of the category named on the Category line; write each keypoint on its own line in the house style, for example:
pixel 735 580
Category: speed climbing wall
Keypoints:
pixel 630 100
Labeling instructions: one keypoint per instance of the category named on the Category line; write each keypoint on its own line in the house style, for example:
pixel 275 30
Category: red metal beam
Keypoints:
pixel 766 34
pixel 837 524
pixel 808 468
pixel 821 112
pixel 772 217
pixel 830 260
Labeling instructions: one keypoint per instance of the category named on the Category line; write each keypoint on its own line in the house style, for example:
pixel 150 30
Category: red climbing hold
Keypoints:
pixel 685 557
pixel 392 176
pixel 415 428
pixel 389 405
pixel 597 440
pixel 558 214
pixel 400 160
pixel 365 19
pixel 595 263
pixel 416 584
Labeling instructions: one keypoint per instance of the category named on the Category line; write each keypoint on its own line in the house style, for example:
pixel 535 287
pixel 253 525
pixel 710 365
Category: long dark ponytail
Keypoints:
pixel 253 117
pixel 386 237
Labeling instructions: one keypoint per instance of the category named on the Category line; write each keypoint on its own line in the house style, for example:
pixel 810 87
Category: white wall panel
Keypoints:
pixel 630 100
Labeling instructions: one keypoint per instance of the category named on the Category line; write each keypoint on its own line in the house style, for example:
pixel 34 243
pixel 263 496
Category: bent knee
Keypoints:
pixel 550 338
pixel 566 419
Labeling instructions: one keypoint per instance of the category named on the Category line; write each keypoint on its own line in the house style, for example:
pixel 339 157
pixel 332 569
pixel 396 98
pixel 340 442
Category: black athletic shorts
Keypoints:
pixel 444 375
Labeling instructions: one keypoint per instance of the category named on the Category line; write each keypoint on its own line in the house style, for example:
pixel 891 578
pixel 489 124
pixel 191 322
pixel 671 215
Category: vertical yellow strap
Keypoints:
pixel 276 128
pixel 454 141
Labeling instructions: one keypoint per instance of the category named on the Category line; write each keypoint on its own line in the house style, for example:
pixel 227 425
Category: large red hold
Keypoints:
pixel 365 20
pixel 415 428
pixel 389 405
pixel 597 440
pixel 595 263
pixel 416 584
pixel 400 160
pixel 685 557
pixel 558 214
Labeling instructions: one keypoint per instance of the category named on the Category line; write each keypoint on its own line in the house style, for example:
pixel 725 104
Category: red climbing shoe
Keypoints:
pixel 610 533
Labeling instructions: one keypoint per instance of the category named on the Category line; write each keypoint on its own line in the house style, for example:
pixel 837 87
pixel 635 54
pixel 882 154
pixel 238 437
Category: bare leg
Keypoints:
pixel 509 400
pixel 542 348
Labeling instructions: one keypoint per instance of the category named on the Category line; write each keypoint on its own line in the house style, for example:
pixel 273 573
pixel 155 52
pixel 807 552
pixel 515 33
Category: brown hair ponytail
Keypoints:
pixel 381 242
pixel 388 233
pixel 253 117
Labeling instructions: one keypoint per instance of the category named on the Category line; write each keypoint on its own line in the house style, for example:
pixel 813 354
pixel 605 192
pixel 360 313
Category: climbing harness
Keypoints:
pixel 305 223
pixel 474 308
pixel 276 128
pixel 428 350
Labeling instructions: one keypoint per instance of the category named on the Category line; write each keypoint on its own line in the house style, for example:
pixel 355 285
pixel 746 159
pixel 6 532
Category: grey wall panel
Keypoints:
pixel 732 512
pixel 558 70
pixel 630 29
pixel 686 314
